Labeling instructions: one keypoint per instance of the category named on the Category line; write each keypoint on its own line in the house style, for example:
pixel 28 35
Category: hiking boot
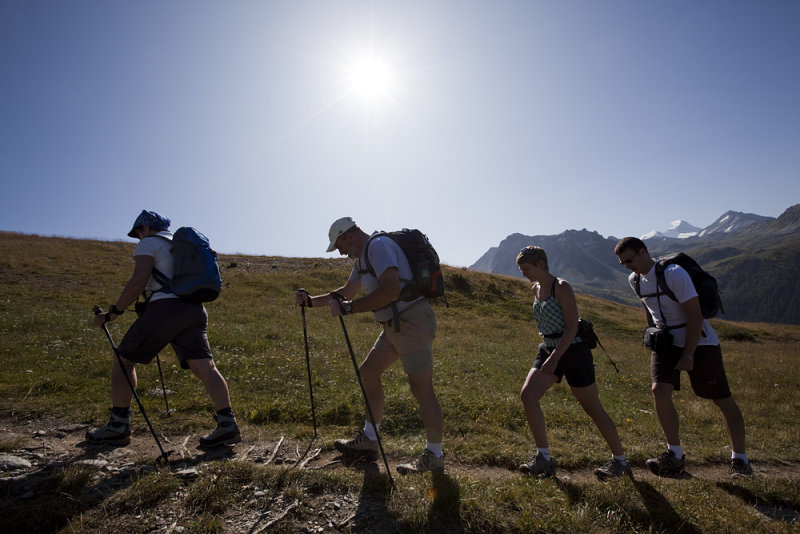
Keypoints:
pixel 740 468
pixel 360 445
pixel 116 432
pixel 226 433
pixel 427 461
pixel 666 464
pixel 614 468
pixel 539 467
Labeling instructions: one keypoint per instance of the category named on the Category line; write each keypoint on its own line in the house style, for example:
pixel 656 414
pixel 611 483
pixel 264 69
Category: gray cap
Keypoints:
pixel 339 227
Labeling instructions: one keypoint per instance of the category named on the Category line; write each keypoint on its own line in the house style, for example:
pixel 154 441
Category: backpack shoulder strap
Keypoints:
pixel 367 266
pixel 661 281
pixel 158 276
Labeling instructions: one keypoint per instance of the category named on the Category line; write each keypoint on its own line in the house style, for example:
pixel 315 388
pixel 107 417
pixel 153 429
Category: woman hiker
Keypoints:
pixel 562 353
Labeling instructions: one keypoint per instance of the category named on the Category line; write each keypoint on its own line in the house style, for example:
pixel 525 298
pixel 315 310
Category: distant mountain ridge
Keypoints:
pixel 729 222
pixel 732 222
pixel 680 229
pixel 755 259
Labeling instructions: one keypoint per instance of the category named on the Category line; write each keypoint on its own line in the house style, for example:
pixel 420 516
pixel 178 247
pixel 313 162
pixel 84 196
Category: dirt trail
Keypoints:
pixel 46 441
pixel 42 446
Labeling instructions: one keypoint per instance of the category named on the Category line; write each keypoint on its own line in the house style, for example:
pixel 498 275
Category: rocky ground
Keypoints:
pixel 36 449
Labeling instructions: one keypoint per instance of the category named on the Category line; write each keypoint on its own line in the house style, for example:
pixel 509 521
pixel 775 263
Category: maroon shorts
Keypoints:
pixel 707 377
pixel 178 322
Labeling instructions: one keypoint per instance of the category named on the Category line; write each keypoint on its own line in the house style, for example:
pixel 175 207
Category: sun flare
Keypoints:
pixel 370 77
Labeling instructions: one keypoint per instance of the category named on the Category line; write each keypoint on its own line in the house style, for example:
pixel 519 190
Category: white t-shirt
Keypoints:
pixel 158 248
pixel 679 281
pixel 383 254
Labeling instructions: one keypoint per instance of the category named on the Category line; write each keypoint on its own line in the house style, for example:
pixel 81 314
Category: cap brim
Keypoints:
pixel 332 247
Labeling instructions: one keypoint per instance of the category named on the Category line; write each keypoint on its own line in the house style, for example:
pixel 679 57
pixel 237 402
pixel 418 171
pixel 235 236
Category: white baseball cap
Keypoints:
pixel 339 227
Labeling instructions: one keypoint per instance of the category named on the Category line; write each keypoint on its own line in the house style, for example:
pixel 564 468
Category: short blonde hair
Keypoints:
pixel 533 254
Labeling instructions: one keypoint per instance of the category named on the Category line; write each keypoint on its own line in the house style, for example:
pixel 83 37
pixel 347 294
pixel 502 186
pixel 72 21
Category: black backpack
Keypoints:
pixel 589 337
pixel 705 284
pixel 196 276
pixel 427 279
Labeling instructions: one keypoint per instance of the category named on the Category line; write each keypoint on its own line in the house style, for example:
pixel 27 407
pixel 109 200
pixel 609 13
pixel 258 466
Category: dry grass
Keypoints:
pixel 56 364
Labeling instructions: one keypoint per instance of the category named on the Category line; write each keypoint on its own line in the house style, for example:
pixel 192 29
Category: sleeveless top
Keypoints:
pixel 550 318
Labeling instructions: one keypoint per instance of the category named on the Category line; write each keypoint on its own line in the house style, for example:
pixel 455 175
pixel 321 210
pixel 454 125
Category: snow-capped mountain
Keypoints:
pixel 679 229
pixel 732 222
pixel 737 249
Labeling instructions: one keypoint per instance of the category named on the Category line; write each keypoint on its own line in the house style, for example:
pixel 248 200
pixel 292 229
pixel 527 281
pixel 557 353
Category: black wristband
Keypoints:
pixel 309 302
pixel 116 311
pixel 339 298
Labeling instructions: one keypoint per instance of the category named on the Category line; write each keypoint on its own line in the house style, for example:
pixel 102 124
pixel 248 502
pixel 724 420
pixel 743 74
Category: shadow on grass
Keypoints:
pixel 662 514
pixel 781 510
pixel 658 515
pixel 372 514
pixel 445 512
pixel 47 499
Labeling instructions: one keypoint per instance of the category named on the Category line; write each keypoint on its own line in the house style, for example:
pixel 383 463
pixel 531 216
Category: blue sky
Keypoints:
pixel 262 122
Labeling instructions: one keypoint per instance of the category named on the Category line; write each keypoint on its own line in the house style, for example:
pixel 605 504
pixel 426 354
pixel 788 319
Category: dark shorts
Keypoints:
pixel 168 321
pixel 708 377
pixel 576 364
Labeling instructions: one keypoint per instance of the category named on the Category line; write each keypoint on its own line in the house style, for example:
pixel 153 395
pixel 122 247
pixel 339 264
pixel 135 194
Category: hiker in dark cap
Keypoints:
pixel 166 319
pixel 151 219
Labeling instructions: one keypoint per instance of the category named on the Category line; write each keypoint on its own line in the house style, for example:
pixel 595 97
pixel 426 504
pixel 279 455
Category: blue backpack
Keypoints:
pixel 196 276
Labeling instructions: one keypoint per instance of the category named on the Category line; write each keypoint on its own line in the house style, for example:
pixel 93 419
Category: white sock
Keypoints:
pixel 371 431
pixel 677 450
pixel 545 452
pixel 620 458
pixel 435 448
pixel 740 456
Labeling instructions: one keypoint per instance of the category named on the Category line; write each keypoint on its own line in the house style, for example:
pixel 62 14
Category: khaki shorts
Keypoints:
pixel 414 341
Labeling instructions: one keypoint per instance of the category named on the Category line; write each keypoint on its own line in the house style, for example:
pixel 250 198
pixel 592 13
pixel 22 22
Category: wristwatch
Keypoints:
pixel 347 306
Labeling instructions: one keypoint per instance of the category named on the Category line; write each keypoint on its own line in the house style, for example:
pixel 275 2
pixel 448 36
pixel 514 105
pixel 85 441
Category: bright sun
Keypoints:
pixel 370 77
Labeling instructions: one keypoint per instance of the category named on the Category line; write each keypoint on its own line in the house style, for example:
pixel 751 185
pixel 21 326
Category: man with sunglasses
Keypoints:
pixel 692 346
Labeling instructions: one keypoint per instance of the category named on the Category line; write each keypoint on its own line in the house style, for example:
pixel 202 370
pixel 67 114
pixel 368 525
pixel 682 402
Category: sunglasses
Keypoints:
pixel 629 261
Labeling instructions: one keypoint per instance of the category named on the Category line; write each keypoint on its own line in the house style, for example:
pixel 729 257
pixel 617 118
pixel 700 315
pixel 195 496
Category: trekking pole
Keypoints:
pixel 608 356
pixel 97 311
pixel 163 387
pixel 308 366
pixel 366 401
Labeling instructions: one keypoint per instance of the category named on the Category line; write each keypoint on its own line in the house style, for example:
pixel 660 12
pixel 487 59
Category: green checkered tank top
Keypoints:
pixel 550 318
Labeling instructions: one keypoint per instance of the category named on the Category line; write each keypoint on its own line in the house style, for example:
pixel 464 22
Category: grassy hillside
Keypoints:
pixel 56 364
